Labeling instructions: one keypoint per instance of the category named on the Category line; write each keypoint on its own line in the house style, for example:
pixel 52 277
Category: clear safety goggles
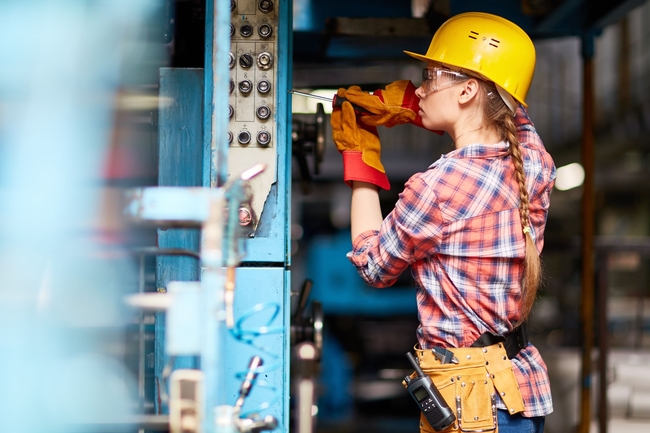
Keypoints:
pixel 434 79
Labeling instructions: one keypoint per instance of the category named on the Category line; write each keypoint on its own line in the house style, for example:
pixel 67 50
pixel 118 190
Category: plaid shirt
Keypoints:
pixel 457 226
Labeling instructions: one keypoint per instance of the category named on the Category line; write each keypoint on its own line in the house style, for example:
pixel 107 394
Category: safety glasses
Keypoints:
pixel 434 79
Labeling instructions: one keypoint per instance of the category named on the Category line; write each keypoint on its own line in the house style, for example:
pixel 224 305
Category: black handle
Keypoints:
pixel 338 101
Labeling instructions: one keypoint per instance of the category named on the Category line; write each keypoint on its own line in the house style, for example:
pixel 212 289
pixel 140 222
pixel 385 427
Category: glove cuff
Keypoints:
pixel 355 169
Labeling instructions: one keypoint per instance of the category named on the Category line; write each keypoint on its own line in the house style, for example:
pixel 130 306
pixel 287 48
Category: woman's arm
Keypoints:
pixel 365 208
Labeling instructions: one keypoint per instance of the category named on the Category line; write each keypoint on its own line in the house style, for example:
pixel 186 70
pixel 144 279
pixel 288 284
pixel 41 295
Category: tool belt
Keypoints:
pixel 470 386
pixel 513 341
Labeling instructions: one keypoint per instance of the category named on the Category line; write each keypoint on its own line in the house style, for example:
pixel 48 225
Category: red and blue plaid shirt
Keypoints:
pixel 457 226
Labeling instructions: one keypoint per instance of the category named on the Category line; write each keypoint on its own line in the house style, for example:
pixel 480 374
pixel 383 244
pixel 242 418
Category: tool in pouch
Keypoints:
pixel 428 398
pixel 443 355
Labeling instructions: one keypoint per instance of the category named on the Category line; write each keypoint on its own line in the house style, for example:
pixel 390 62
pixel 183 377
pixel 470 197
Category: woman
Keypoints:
pixel 470 227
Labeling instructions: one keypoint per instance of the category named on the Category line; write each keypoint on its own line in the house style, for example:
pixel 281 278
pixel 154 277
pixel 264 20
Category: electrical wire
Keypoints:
pixel 250 335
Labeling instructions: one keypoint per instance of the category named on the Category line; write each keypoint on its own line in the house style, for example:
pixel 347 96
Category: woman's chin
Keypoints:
pixel 427 123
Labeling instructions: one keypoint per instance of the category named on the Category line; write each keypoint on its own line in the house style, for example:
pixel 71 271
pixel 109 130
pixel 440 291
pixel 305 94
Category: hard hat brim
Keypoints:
pixel 417 56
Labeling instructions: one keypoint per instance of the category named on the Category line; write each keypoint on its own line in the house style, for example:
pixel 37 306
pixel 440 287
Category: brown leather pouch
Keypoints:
pixel 470 387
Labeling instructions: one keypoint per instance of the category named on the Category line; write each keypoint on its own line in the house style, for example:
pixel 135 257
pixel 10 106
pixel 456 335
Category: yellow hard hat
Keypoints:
pixel 487 45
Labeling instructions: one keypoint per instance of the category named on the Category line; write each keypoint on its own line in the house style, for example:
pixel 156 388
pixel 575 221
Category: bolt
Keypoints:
pixel 245 217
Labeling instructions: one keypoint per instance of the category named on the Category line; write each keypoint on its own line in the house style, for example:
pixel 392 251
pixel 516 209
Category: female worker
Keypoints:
pixel 471 227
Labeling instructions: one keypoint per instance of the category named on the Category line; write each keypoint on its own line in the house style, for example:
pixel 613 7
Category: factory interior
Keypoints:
pixel 158 277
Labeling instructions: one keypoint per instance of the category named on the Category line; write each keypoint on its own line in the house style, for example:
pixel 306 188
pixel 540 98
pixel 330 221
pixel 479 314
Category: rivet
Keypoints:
pixel 512 411
pixel 458 377
pixel 462 384
pixel 452 379
pixel 487 363
pixel 503 393
pixel 421 424
pixel 505 357
pixel 469 357
pixel 473 382
pixel 485 382
pixel 484 350
pixel 500 346
pixel 492 376
pixel 475 418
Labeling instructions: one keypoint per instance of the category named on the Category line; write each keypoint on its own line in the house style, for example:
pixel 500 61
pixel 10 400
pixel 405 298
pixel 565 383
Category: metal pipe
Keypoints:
pixel 603 343
pixel 587 310
pixel 306 357
pixel 155 251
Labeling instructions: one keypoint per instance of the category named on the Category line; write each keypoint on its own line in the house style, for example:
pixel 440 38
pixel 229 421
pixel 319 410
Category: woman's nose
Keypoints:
pixel 419 92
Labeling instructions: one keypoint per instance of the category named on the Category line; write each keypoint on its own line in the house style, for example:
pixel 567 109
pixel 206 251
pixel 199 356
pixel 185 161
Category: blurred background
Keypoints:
pixel 104 102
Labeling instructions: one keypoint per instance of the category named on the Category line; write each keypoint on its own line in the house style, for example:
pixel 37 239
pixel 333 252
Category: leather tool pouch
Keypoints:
pixel 470 387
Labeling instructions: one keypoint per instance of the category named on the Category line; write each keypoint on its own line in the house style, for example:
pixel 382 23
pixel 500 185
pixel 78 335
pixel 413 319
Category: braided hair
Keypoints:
pixel 497 113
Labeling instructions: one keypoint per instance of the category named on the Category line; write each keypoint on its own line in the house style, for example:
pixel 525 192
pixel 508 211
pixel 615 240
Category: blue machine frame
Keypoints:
pixel 192 155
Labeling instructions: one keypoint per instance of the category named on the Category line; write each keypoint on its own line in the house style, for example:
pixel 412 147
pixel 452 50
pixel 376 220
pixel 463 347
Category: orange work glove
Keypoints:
pixel 359 144
pixel 395 105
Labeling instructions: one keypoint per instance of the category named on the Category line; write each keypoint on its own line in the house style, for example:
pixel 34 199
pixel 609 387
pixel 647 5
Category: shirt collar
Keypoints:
pixel 477 150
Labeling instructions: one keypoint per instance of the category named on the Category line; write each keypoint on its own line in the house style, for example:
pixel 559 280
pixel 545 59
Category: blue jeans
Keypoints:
pixel 519 424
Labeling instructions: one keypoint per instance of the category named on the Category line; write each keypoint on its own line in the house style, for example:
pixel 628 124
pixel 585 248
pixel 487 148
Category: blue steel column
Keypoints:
pixel 262 292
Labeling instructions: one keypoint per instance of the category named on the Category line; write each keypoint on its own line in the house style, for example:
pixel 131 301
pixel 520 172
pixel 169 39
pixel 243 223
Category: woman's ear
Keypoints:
pixel 469 91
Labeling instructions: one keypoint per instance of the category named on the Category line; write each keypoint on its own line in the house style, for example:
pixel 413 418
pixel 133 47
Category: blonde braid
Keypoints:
pixel 497 113
pixel 532 263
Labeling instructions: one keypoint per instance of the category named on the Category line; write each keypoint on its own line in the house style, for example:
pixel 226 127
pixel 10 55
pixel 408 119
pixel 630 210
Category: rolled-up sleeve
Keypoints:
pixel 409 233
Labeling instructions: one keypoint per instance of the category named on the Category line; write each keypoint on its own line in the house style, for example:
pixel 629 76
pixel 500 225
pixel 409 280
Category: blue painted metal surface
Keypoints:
pixel 267 285
pixel 180 160
pixel 266 281
pixel 262 321
pixel 182 206
pixel 60 295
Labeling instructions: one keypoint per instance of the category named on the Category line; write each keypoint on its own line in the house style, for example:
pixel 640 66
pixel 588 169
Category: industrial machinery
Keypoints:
pixel 223 192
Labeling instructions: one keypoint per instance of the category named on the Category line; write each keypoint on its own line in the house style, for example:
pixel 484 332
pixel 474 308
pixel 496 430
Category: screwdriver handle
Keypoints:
pixel 338 101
